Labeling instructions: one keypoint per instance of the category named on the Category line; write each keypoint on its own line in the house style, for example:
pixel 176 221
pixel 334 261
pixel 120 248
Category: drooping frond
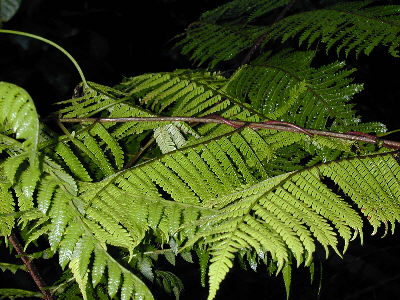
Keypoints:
pixel 352 26
pixel 20 168
pixel 121 210
pixel 214 43
pixel 170 282
pixel 349 26
pixel 241 10
pixel 288 215
pixel 120 280
pixel 18 115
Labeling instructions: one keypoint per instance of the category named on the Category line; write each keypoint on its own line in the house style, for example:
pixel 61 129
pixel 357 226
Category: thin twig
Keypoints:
pixel 261 39
pixel 135 157
pixel 30 266
pixel 272 125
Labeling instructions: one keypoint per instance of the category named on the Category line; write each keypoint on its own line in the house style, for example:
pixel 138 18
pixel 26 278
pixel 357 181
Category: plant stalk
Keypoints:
pixel 30 266
pixel 65 52
pixel 272 125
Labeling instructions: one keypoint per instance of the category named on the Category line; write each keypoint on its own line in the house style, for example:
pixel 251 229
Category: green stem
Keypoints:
pixel 65 52
pixel 387 133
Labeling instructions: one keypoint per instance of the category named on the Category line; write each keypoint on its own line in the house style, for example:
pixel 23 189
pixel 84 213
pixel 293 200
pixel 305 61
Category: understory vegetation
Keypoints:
pixel 256 156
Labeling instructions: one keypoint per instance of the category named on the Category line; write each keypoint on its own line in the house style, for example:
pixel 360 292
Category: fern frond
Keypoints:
pixel 119 278
pixel 170 282
pixel 72 161
pixel 25 188
pixel 96 98
pixel 285 87
pixel 112 144
pixel 10 166
pixel 224 33
pixel 125 228
pixel 184 92
pixel 11 267
pixel 286 215
pixel 21 167
pixel 169 138
pixel 241 10
pixel 214 43
pixel 18 293
pixel 6 211
pixel 60 217
pixel 8 143
pixel 18 113
pixel 351 26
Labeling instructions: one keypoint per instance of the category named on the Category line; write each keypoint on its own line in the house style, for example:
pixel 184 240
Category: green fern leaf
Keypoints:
pixel 241 10
pixel 204 258
pixel 169 138
pixel 112 144
pixel 12 267
pixel 114 278
pixel 10 166
pixel 298 209
pixel 127 287
pixel 17 112
pixel 35 234
pixel 287 277
pixel 6 210
pixel 26 187
pixel 18 293
pixel 81 281
pixel 72 161
pixel 170 282
pixel 60 176
pixel 96 98
pixel 224 33
pixel 60 216
pixel 216 43
pixel 351 26
pixel 99 265
pixel 46 190
pixel 285 87
pixel 68 243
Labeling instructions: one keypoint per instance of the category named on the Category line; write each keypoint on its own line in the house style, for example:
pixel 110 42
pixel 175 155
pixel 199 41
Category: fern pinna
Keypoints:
pixel 256 171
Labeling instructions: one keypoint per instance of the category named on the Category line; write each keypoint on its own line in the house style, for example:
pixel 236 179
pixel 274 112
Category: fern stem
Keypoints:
pixel 136 157
pixel 30 266
pixel 65 52
pixel 272 125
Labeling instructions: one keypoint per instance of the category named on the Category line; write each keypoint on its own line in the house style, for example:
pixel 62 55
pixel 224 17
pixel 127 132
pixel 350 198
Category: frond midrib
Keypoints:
pixel 293 173
pixel 115 176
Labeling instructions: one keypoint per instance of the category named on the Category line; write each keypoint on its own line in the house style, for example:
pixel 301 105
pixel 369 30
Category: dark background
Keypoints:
pixel 114 39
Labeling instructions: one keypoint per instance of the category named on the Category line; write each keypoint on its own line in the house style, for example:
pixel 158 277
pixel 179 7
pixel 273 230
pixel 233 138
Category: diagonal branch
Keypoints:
pixel 272 125
pixel 30 266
